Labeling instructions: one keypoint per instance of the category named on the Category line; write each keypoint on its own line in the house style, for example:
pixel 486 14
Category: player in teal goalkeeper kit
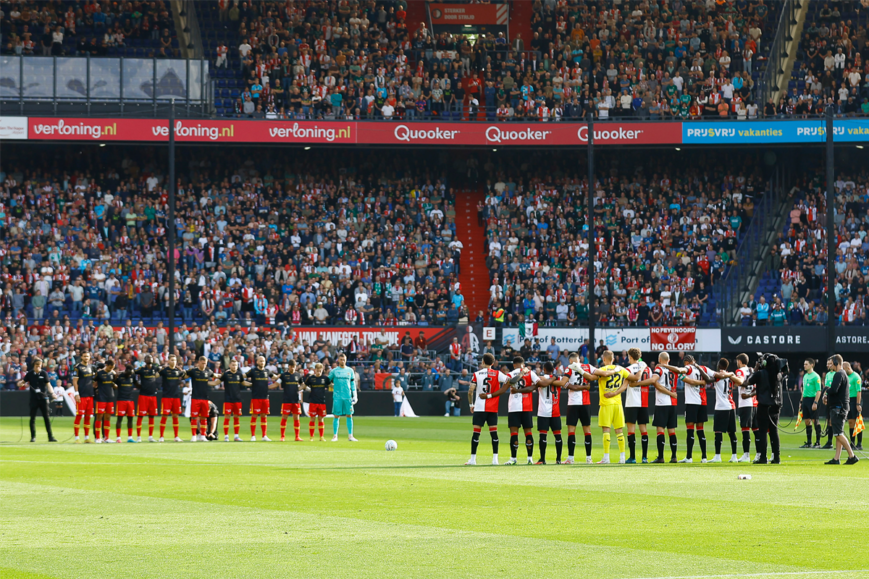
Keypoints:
pixel 344 396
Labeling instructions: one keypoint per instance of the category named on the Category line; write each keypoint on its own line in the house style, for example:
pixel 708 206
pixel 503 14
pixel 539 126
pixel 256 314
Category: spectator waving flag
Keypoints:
pixel 528 330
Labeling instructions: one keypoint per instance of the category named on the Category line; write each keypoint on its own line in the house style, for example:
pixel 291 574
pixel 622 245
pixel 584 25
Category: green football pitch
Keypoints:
pixel 344 509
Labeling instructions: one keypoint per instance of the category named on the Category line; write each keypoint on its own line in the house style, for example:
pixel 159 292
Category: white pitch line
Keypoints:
pixel 777 574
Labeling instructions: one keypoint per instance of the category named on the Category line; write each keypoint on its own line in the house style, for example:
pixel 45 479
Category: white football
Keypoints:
pixel 391 445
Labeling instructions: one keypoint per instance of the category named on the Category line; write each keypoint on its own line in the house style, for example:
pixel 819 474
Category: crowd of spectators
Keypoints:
pixel 794 292
pixel 265 245
pixel 88 27
pixel 665 231
pixel 303 240
pixel 656 60
pixel 832 65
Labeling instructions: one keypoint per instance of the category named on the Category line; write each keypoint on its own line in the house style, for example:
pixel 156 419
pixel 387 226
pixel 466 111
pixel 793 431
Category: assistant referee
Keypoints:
pixel 40 389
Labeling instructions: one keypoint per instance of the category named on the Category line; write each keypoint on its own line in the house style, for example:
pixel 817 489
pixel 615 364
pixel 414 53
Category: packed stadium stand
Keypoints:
pixel 832 61
pixel 794 288
pixel 664 234
pixel 335 59
pixel 87 27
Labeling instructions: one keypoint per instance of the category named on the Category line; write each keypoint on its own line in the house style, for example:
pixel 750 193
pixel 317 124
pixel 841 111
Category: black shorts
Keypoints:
pixel 695 413
pixel 838 417
pixel 725 421
pixel 747 417
pixel 524 419
pixel 482 418
pixel 578 413
pixel 636 415
pixel 852 409
pixel 806 407
pixel 665 417
pixel 545 423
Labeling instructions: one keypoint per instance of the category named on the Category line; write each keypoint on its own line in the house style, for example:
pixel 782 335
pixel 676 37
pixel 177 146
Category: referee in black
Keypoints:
pixel 837 402
pixel 40 389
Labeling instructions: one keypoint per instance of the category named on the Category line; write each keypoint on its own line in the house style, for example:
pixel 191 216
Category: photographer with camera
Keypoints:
pixel 837 401
pixel 767 380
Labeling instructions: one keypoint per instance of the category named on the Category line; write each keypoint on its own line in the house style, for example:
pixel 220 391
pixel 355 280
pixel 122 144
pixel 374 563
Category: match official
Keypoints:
pixel 40 389
pixel 836 400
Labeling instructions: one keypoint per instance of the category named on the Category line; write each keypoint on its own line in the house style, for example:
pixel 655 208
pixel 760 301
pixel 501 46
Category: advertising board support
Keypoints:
pixel 831 239
pixel 170 228
pixel 591 250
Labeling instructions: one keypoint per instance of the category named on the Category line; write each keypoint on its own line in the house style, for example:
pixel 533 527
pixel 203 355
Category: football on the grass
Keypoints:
pixel 391 445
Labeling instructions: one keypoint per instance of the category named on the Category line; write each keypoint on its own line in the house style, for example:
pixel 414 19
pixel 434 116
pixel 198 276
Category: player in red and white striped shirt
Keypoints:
pixel 746 407
pixel 695 405
pixel 725 407
pixel 665 407
pixel 488 384
pixel 580 377
pixel 637 405
pixel 520 408
pixel 549 411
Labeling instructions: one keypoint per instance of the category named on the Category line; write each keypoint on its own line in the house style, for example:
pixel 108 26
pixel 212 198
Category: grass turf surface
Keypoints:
pixel 354 510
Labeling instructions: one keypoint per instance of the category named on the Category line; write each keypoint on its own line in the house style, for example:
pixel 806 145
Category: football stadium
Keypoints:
pixel 412 288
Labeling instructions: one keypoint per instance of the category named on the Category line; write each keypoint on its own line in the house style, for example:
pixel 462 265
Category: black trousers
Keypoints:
pixel 39 404
pixel 767 421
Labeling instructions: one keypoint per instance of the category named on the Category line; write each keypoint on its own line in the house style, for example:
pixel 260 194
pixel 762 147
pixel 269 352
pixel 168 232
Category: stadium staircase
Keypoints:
pixel 521 12
pixel 474 275
pixel 416 14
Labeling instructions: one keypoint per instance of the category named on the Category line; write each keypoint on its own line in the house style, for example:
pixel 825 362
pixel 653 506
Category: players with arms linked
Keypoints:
pixel 549 411
pixel 695 405
pixel 746 406
pixel 665 407
pixel 724 417
pixel 637 405
pixel 487 386
pixel 612 414
pixel 520 409
pixel 580 378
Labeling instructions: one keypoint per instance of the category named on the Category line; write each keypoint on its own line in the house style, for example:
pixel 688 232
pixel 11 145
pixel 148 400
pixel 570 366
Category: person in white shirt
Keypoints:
pixel 387 111
pixel 397 396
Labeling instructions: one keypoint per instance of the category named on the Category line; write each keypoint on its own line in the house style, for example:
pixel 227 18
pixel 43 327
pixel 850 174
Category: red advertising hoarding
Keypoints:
pixel 355 132
pixel 664 339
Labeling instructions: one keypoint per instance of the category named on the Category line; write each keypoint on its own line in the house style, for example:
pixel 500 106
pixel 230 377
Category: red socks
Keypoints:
pixel 311 428
pixel 235 423
pixel 264 423
pixel 296 425
pixel 253 425
pixel 226 426
pixel 283 426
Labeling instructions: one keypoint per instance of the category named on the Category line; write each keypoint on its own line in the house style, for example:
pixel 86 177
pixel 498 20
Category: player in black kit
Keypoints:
pixel 292 402
pixel 316 385
pixel 148 377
